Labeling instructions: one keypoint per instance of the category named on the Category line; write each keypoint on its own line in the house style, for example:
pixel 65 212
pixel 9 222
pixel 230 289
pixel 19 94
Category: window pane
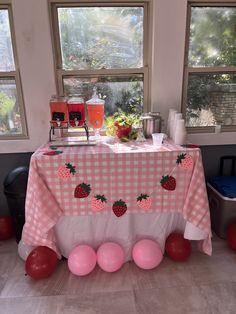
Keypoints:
pixel 6 53
pixel 118 92
pixel 101 37
pixel 10 119
pixel 211 100
pixel 212 36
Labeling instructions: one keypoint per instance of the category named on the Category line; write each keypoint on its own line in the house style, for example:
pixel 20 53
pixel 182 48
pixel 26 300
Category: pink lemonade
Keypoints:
pixel 76 113
pixel 59 112
pixel 96 115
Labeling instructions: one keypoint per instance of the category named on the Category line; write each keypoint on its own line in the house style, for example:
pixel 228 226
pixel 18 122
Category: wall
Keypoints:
pixel 34 49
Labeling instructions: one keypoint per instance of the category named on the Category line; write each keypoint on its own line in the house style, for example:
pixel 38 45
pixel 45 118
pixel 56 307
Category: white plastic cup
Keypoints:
pixel 158 138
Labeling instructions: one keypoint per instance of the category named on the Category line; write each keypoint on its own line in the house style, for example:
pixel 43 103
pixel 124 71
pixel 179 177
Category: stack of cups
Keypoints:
pixel 176 130
pixel 177 117
pixel 180 132
pixel 170 122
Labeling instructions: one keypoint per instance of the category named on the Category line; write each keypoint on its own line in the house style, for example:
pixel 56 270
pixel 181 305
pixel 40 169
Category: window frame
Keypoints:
pixel 60 74
pixel 15 75
pixel 188 70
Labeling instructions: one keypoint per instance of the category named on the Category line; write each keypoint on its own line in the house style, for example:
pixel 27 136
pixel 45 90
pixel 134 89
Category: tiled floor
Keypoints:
pixel 203 285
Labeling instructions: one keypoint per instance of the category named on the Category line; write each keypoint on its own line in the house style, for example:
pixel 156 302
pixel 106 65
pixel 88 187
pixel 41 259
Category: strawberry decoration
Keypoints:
pixel 185 161
pixel 98 202
pixel 119 208
pixel 52 153
pixel 82 190
pixel 144 201
pixel 66 171
pixel 168 183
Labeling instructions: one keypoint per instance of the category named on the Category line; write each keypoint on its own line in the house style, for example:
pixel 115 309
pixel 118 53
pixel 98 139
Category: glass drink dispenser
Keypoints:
pixel 59 112
pixel 76 109
pixel 95 107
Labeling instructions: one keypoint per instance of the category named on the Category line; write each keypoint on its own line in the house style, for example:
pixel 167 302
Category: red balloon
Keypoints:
pixel 231 236
pixel 6 227
pixel 178 248
pixel 41 262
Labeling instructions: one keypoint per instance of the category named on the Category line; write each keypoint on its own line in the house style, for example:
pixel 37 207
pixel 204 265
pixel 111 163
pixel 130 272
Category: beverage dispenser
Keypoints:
pixel 59 112
pixel 95 107
pixel 76 110
pixel 66 114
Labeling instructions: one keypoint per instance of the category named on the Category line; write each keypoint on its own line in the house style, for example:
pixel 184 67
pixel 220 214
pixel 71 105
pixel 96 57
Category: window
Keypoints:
pixel 103 43
pixel 12 116
pixel 209 93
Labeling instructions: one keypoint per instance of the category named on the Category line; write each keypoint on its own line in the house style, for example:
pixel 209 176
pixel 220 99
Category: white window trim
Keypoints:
pixel 16 76
pixel 201 70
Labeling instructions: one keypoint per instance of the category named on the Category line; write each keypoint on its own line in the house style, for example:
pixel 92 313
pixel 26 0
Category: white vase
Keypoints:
pixel 180 132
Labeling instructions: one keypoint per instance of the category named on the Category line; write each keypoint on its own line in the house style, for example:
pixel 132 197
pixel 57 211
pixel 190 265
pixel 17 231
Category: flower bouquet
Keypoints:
pixel 121 124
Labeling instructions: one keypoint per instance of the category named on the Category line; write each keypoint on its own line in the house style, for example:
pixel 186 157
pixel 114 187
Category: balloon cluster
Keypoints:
pixel 42 261
pixel 82 260
pixel 110 257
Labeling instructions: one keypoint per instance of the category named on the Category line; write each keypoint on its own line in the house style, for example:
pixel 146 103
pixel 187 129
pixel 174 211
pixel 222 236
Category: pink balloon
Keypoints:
pixel 82 260
pixel 110 256
pixel 147 254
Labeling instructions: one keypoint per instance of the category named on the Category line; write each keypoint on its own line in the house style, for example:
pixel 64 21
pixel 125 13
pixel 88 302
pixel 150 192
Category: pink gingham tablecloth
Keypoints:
pixel 117 171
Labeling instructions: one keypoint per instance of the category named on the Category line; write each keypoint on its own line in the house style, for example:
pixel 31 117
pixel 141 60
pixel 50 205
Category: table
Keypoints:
pixel 117 171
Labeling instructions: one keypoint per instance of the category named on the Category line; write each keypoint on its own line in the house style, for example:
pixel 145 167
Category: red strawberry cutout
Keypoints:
pixel 168 183
pixel 185 161
pixel 82 190
pixel 119 208
pixel 98 202
pixel 144 201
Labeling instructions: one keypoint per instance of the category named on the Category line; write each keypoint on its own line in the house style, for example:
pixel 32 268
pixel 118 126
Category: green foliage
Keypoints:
pixel 6 105
pixel 212 43
pixel 200 85
pixel 125 119
pixel 213 37
pixel 132 100
pixel 100 37
pixel 110 126
pixel 121 118
pixel 197 93
pixel 104 38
